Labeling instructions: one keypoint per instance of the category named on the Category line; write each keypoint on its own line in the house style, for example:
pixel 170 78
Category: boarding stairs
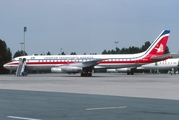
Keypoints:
pixel 21 66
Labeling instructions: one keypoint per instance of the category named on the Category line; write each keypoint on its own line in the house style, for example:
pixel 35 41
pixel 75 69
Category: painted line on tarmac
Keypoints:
pixel 106 108
pixel 22 118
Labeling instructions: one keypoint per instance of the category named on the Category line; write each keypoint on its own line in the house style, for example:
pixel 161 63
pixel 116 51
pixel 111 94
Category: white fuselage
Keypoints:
pixel 107 61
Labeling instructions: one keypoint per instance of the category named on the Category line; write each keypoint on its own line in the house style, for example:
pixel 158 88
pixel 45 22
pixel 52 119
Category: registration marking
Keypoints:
pixel 22 118
pixel 105 108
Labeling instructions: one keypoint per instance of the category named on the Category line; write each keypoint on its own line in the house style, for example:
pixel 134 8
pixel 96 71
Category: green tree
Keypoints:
pixel 109 51
pixel 48 53
pixel 63 53
pixel 167 50
pixel 19 53
pixel 123 51
pixel 73 53
pixel 117 50
pixel 132 50
pixel 113 51
pixel 5 56
pixel 104 52
pixel 145 46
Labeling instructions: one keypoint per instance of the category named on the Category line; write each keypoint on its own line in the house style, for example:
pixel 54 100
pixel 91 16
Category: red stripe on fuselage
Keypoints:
pixel 65 63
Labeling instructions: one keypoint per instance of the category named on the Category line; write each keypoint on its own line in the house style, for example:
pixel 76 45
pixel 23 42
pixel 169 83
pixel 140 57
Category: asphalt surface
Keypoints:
pixel 101 97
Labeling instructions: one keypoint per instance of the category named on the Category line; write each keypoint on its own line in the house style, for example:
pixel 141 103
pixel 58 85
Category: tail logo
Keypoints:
pixel 160 49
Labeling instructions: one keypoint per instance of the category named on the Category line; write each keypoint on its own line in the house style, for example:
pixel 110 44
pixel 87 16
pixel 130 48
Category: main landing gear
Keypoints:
pixel 131 72
pixel 86 73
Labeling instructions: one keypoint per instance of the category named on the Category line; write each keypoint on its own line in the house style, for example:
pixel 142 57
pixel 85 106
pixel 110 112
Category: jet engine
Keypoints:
pixel 129 71
pixel 56 70
pixel 66 69
pixel 123 69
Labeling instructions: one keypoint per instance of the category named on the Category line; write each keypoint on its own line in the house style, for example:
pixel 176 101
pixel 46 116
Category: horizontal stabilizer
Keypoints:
pixel 161 57
pixel 174 55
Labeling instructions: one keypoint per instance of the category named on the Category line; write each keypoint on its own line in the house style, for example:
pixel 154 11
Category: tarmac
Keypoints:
pixel 161 86
pixel 103 96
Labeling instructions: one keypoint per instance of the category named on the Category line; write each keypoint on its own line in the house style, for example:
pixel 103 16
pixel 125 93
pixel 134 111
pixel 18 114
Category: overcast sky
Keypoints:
pixel 86 26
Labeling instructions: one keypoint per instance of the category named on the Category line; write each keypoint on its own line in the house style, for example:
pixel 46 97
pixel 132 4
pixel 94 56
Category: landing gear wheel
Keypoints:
pixel 130 73
pixel 86 74
pixel 89 74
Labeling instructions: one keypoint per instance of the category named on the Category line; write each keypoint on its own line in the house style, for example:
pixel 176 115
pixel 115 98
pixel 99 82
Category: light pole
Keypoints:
pixel 25 29
pixel 116 43
pixel 21 45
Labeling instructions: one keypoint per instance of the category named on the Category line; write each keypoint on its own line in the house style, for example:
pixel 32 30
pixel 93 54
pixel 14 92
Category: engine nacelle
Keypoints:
pixel 119 70
pixel 128 70
pixel 66 69
pixel 123 70
pixel 71 69
pixel 56 70
pixel 111 70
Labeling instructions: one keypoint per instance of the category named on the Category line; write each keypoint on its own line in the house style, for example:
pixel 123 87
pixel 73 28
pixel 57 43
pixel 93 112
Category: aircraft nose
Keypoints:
pixel 5 66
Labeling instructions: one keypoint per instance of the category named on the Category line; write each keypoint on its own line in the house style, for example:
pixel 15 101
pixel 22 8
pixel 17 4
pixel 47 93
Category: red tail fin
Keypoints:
pixel 158 47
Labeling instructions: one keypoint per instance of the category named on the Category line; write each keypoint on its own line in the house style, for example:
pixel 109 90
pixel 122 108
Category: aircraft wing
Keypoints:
pixel 83 64
pixel 76 67
pixel 86 64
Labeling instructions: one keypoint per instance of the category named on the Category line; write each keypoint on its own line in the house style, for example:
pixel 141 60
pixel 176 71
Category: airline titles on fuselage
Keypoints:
pixel 51 58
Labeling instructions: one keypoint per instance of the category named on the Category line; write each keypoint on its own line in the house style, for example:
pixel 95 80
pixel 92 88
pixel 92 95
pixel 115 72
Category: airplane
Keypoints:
pixel 84 64
pixel 171 64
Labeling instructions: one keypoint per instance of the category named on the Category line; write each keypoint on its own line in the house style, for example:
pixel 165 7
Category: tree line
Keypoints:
pixel 5 56
pixel 131 49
